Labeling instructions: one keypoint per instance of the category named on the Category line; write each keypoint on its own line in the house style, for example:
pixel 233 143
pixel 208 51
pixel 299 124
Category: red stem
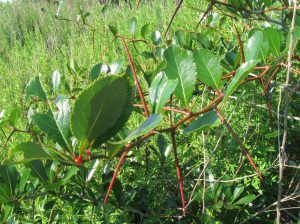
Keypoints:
pixel 178 170
pixel 127 148
pixel 238 140
pixel 115 176
pixel 136 79
pixel 137 4
pixel 241 45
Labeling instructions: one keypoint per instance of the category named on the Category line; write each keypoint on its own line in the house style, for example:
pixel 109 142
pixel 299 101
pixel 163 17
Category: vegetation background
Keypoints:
pixel 220 186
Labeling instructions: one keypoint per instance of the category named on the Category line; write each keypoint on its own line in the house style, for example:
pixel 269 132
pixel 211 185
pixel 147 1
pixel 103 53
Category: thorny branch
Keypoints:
pixel 285 119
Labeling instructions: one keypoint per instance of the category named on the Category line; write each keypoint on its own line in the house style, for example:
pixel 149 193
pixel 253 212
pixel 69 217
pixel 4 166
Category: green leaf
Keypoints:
pixel 207 121
pixel 160 91
pixel 37 169
pixel 162 145
pixel 55 81
pixel 153 121
pixel 208 68
pixel 13 117
pixel 95 72
pixel 113 29
pixel 145 30
pixel 184 39
pixel 56 125
pixel 253 46
pixel 23 180
pixel 274 39
pixel 34 88
pixel 69 174
pixel 101 110
pixel 156 38
pixel 28 151
pixel 245 200
pixel 147 54
pixel 133 26
pixel 237 192
pixel 180 66
pixel 8 181
pixel 239 77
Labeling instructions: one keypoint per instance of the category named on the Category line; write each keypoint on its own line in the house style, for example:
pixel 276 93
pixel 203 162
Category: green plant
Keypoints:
pixel 77 124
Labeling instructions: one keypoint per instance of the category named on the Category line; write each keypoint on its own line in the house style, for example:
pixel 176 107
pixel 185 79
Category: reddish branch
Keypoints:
pixel 241 44
pixel 136 78
pixel 238 140
pixel 178 171
pixel 166 108
pixel 172 18
pixel 269 81
pixel 111 184
pixel 127 148
pixel 137 4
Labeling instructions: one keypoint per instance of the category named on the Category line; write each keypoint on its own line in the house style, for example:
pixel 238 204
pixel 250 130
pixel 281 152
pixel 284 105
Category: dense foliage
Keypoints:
pixel 149 112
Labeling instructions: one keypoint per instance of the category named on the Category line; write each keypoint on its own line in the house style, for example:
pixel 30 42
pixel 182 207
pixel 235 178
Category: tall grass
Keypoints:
pixel 33 41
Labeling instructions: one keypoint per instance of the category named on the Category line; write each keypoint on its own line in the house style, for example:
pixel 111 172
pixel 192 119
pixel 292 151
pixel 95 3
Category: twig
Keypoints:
pixel 111 184
pixel 238 140
pixel 285 119
pixel 204 176
pixel 205 13
pixel 172 18
pixel 241 44
pixel 137 4
pixel 289 197
pixel 136 79
pixel 127 148
pixel 178 171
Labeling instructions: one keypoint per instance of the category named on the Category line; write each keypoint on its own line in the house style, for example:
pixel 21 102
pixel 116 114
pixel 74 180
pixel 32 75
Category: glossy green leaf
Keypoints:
pixel 156 38
pixel 208 68
pixel 274 39
pixel 184 39
pixel 160 91
pixel 180 66
pixel 253 46
pixel 133 26
pixel 57 124
pixel 37 170
pixel 23 180
pixel 152 122
pixel 147 54
pixel 144 30
pixel 245 200
pixel 237 192
pixel 162 145
pixel 113 29
pixel 8 181
pixel 28 151
pixel 62 116
pixel 101 110
pixel 239 77
pixel 206 121
pixel 68 175
pixel 55 81
pixel 13 116
pixel 34 88
pixel 95 72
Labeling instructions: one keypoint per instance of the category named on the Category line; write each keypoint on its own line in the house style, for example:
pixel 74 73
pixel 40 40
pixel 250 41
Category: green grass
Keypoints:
pixel 34 42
